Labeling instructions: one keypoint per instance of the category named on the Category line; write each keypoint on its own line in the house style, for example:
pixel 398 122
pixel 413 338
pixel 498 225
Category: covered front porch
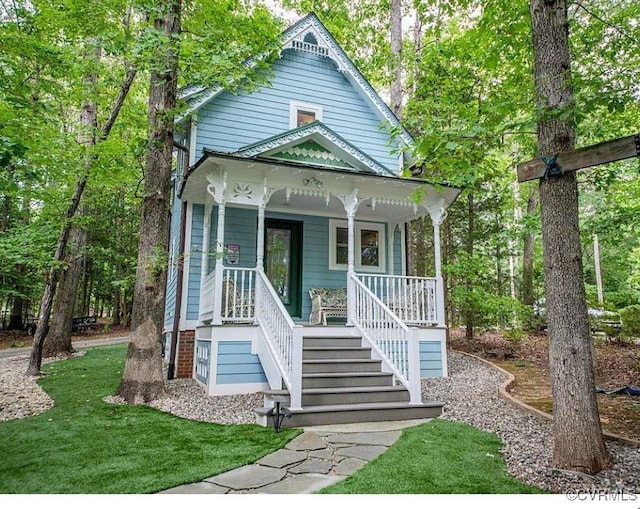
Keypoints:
pixel 275 233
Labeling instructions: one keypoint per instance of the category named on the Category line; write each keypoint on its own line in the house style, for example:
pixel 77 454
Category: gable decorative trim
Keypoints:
pixel 263 147
pixel 294 38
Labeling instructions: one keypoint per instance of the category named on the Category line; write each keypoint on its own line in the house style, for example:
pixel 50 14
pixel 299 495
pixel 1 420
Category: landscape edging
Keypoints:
pixel 507 386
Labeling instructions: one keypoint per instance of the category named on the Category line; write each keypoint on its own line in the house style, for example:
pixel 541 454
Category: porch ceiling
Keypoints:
pixel 306 189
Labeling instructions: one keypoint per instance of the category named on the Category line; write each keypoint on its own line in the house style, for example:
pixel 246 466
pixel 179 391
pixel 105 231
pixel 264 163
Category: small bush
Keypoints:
pixel 631 320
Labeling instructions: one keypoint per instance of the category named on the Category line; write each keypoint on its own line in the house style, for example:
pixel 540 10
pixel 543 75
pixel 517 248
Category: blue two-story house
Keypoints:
pixel 287 269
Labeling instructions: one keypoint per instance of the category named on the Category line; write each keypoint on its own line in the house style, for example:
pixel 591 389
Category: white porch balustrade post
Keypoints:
pixel 217 294
pixel 415 390
pixel 296 368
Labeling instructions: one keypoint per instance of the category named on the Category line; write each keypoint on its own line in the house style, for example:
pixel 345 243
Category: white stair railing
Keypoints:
pixel 282 335
pixel 396 344
pixel 413 299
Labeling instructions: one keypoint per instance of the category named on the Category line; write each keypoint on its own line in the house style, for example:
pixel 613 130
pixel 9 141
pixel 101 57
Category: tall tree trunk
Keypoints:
pixel 115 320
pixel 528 297
pixel 396 54
pixel 58 340
pixel 578 441
pixel 469 311
pixel 35 360
pixel 143 379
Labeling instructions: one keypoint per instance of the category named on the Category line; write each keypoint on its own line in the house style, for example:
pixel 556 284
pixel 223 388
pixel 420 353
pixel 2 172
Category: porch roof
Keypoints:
pixel 309 188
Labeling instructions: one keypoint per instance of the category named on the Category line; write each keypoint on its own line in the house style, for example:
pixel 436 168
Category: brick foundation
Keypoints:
pixel 184 360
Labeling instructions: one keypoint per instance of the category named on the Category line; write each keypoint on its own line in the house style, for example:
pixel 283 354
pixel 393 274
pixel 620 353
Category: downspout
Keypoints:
pixel 178 304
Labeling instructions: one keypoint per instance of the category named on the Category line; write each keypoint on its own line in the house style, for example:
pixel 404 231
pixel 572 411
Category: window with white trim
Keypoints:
pixel 370 246
pixel 303 113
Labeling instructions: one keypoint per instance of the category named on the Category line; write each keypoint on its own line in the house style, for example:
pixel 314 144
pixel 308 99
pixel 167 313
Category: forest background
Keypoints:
pixel 464 72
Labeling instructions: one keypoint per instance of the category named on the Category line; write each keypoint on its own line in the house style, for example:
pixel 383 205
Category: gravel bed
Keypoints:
pixel 188 399
pixel 471 396
pixel 20 395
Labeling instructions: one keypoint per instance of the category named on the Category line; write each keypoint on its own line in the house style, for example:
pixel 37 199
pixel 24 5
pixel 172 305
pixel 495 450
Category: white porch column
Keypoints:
pixel 204 265
pixel 260 239
pixel 351 267
pixel 217 294
pixel 351 203
pixel 437 218
pixel 204 256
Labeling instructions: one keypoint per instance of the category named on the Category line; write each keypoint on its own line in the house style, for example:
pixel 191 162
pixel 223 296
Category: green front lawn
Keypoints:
pixel 84 445
pixel 437 457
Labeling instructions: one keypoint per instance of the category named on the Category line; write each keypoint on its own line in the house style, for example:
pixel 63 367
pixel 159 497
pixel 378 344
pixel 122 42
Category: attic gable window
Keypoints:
pixel 303 113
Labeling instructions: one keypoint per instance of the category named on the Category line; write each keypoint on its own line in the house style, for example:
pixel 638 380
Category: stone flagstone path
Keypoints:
pixel 319 457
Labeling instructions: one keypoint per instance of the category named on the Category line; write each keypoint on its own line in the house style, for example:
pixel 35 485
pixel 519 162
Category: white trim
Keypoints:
pixel 188 325
pixel 403 247
pixel 193 139
pixel 359 226
pixel 186 266
pixel 295 106
pixel 229 389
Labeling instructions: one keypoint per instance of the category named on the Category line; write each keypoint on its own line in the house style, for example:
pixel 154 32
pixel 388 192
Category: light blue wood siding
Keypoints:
pixel 430 359
pixel 241 227
pixel 236 364
pixel 172 276
pixel 397 251
pixel 195 262
pixel 230 121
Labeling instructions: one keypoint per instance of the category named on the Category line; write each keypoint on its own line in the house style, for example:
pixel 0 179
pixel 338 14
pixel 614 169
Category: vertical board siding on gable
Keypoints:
pixel 236 364
pixel 195 261
pixel 172 282
pixel 430 359
pixel 230 121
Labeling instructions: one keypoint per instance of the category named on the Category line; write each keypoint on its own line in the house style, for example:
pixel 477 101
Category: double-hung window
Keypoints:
pixel 369 243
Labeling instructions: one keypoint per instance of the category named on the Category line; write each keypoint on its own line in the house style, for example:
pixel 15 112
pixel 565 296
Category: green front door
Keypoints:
pixel 282 259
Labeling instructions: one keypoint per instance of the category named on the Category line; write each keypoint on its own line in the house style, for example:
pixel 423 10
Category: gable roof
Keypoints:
pixel 314 143
pixel 294 38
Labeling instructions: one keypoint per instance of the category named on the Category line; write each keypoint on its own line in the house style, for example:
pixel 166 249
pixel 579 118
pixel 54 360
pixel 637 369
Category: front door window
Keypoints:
pixel 282 260
pixel 278 261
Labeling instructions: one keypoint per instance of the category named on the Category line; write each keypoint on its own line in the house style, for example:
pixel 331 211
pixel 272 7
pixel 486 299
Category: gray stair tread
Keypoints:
pixel 352 407
pixel 345 375
pixel 340 361
pixel 337 348
pixel 346 390
pixel 331 337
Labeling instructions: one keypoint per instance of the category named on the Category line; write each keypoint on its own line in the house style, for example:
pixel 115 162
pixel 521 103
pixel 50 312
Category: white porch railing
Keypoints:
pixel 237 299
pixel 283 337
pixel 413 299
pixel 238 294
pixel 396 344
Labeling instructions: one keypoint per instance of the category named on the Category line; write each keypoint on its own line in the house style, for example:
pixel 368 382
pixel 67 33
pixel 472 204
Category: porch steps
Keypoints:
pixel 342 384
